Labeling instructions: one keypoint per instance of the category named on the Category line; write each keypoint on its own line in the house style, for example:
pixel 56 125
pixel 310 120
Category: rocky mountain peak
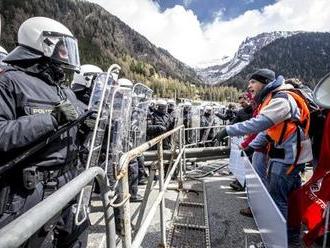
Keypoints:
pixel 220 73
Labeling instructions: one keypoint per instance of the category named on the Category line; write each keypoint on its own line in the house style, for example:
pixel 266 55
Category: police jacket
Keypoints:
pixel 26 102
pixel 157 124
pixel 243 114
pixel 207 121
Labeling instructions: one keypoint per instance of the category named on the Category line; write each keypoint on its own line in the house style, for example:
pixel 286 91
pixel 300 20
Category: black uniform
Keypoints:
pixel 26 101
pixel 187 122
pixel 159 123
pixel 207 121
pixel 228 115
pixel 243 114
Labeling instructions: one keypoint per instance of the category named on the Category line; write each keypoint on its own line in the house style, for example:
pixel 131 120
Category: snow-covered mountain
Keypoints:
pixel 222 72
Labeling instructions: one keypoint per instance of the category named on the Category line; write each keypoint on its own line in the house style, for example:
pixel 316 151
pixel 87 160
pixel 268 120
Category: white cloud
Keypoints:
pixel 179 31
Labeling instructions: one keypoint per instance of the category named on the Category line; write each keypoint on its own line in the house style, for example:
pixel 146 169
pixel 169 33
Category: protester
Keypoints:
pixel 245 112
pixel 283 122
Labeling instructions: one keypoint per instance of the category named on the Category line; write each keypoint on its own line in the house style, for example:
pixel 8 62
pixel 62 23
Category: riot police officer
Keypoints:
pixel 207 120
pixel 159 122
pixel 34 103
pixel 171 112
pixel 133 167
pixel 82 84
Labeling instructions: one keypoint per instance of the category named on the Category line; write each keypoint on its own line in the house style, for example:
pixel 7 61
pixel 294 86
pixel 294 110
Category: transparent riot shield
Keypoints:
pixel 178 114
pixel 178 121
pixel 101 102
pixel 118 130
pixel 195 124
pixel 217 120
pixel 141 97
pixel 207 134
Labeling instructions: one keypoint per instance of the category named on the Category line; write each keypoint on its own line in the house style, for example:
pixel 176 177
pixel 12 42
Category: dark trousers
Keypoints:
pixel 60 231
pixel 133 177
pixel 142 170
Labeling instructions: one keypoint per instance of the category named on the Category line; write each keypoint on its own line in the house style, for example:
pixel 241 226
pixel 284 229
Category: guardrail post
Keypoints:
pixel 180 164
pixel 146 197
pixel 126 209
pixel 184 152
pixel 161 188
pixel 109 217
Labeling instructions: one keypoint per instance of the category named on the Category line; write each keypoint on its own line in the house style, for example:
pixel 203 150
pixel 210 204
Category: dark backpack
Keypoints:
pixel 317 116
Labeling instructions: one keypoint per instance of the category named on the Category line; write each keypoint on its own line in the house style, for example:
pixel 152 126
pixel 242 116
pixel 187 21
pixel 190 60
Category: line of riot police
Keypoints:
pixel 43 88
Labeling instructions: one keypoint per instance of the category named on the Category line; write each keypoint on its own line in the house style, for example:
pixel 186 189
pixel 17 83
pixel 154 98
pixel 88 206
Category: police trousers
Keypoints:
pixel 60 231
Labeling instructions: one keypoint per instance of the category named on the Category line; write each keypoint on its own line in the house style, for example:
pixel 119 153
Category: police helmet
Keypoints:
pixel 44 37
pixel 171 103
pixel 208 108
pixel 86 75
pixel 161 106
pixel 115 70
pixel 125 83
pixel 161 102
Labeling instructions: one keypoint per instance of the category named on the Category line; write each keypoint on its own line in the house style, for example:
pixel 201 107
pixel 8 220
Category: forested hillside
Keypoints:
pixel 305 56
pixel 104 39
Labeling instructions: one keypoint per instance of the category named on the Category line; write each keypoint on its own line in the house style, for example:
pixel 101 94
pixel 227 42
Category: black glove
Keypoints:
pixel 220 135
pixel 90 121
pixel 248 151
pixel 161 129
pixel 64 112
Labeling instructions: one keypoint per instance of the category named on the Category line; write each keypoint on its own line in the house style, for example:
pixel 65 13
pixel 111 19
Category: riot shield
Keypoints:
pixel 118 130
pixel 101 101
pixel 207 133
pixel 195 123
pixel 141 97
pixel 178 113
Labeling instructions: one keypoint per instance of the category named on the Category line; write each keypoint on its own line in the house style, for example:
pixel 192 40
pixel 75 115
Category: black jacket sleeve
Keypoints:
pixel 19 131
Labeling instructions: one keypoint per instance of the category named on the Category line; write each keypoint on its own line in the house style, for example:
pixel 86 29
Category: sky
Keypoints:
pixel 202 32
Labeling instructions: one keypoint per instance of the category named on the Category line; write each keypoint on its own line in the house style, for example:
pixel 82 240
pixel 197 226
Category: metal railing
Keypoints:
pixel 163 183
pixel 194 130
pixel 19 230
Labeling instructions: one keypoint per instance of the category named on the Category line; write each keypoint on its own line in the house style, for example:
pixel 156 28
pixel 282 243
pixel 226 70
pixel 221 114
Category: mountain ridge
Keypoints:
pixel 215 75
pixel 305 56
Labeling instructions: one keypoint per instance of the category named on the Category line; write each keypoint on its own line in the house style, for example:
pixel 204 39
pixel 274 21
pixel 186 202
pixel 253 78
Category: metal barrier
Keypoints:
pixel 124 189
pixel 236 165
pixel 197 129
pixel 269 220
pixel 19 230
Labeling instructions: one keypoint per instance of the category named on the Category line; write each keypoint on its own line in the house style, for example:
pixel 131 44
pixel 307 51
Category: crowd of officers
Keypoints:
pixel 43 87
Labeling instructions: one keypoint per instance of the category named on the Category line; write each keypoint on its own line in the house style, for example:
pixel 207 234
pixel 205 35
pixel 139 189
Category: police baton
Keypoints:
pixel 12 163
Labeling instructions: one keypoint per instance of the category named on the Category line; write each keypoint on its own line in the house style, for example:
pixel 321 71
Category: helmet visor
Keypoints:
pixel 62 49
